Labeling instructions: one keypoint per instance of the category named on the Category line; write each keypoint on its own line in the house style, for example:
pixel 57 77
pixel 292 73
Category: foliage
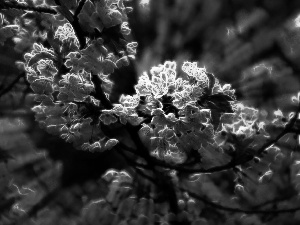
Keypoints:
pixel 179 133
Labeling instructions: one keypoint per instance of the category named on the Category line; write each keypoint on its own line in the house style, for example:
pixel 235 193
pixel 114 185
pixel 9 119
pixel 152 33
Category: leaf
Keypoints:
pixel 212 155
pixel 110 175
pixel 108 67
pixel 219 104
pixel 55 120
pixel 126 207
pixel 42 86
pixel 65 11
pixel 135 120
pixel 5 33
pixel 95 147
pixel 123 61
pixel 107 117
pixel 212 81
pixel 55 110
pixel 54 129
pixel 88 8
pixel 70 4
pixel 85 23
pixel 110 17
pixel 215 116
pixel 96 22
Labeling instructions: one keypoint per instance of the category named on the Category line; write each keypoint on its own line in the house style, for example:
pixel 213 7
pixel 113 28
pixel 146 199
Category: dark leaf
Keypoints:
pixel 212 81
pixel 218 104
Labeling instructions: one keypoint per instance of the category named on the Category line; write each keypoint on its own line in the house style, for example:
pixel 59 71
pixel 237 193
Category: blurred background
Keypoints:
pixel 253 45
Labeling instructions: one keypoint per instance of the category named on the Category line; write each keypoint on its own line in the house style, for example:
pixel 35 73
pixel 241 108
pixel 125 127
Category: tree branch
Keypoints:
pixel 39 9
pixel 286 130
pixel 12 84
pixel 73 20
pixel 238 210
pixel 232 164
pixel 99 94
pixel 79 8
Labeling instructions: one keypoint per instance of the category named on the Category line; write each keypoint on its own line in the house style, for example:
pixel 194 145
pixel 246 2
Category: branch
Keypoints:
pixel 133 131
pixel 73 20
pixel 232 164
pixel 238 210
pixel 39 9
pixel 163 180
pixel 12 84
pixel 286 130
pixel 79 8
pixel 99 94
pixel 273 201
pixel 136 166
pixel 76 26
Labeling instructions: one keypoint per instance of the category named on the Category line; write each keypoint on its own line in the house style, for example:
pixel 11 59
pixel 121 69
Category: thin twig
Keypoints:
pixel 12 84
pixel 136 166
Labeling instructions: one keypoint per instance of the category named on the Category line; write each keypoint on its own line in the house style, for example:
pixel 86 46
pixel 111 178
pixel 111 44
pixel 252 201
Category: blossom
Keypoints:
pixel 46 68
pixel 74 87
pixel 66 33
pixel 130 101
pixel 199 74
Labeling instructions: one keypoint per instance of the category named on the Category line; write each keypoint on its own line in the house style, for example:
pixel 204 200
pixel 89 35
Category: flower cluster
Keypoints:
pixel 104 14
pixel 184 114
pixel 193 116
pixel 62 76
pixel 179 107
pixel 66 33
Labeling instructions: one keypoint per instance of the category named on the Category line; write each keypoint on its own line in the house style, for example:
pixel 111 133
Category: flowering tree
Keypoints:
pixel 183 130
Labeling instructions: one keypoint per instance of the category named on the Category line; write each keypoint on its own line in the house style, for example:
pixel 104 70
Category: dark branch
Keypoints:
pixel 232 164
pixel 79 8
pixel 39 9
pixel 238 210
pixel 278 200
pixel 286 130
pixel 11 85
pixel 99 94
pixel 73 20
